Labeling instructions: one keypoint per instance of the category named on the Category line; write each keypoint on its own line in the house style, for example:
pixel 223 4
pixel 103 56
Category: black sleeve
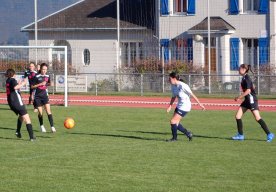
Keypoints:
pixel 13 83
pixel 248 83
pixel 25 74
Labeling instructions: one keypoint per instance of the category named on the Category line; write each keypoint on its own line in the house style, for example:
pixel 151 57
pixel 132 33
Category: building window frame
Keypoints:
pixel 131 53
pixel 86 57
pixel 250 6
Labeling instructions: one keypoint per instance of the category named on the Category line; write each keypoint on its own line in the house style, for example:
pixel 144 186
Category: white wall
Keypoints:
pixel 273 33
pixel 172 26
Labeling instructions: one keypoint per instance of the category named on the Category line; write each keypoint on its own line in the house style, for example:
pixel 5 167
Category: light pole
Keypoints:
pixel 35 11
pixel 209 47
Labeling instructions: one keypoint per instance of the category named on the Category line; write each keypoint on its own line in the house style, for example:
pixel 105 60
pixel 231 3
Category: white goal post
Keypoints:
pixel 32 53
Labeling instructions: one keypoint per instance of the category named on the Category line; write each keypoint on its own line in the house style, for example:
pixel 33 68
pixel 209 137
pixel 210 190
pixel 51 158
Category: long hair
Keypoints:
pixel 247 68
pixel 42 65
pixel 9 73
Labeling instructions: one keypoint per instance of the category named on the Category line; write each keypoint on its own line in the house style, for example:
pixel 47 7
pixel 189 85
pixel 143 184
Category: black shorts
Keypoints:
pixel 38 102
pixel 19 110
pixel 252 106
pixel 180 112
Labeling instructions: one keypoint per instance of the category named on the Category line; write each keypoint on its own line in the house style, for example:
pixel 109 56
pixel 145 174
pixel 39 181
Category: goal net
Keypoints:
pixel 19 57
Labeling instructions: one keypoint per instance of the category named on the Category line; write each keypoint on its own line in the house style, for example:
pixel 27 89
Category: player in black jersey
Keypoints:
pixel 41 82
pixel 250 102
pixel 16 104
pixel 30 74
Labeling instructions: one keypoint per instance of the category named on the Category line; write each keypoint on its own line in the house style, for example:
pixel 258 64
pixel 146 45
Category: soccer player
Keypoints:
pixel 16 104
pixel 41 98
pixel 250 102
pixel 183 92
pixel 30 74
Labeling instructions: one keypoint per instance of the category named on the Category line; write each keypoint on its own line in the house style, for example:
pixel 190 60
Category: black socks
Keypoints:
pixel 239 126
pixel 174 131
pixel 50 117
pixel 30 130
pixel 264 126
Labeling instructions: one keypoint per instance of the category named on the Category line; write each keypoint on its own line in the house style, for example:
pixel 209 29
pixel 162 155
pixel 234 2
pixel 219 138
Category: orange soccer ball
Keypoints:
pixel 69 123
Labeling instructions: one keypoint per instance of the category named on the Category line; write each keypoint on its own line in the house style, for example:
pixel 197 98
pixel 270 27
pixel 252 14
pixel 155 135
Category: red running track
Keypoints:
pixel 145 102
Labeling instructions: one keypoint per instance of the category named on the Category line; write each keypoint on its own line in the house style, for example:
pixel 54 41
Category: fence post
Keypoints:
pixel 258 71
pixel 189 80
pixel 142 86
pixel 163 70
pixel 96 86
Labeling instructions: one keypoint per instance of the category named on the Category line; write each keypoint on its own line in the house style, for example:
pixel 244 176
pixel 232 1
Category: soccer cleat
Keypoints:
pixel 270 137
pixel 238 137
pixel 171 140
pixel 18 135
pixel 43 130
pixel 53 129
pixel 33 139
pixel 190 136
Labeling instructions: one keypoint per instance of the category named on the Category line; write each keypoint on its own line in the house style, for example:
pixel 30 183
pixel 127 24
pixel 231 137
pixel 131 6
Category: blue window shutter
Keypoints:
pixel 191 7
pixel 164 7
pixel 190 49
pixel 263 51
pixel 165 44
pixel 234 53
pixel 263 8
pixel 234 7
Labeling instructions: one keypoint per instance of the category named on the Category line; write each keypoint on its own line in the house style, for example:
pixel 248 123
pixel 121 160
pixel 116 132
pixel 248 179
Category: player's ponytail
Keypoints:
pixel 250 69
pixel 247 68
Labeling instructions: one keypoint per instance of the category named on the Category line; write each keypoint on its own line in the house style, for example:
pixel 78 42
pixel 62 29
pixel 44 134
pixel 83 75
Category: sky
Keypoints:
pixel 14 14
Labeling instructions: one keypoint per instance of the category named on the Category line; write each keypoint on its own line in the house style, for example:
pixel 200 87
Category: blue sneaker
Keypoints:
pixel 270 137
pixel 238 137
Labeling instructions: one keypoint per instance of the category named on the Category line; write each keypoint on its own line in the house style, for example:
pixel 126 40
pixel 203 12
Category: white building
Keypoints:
pixel 242 31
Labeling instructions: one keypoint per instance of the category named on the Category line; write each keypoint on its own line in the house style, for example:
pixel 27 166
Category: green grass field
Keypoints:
pixel 124 149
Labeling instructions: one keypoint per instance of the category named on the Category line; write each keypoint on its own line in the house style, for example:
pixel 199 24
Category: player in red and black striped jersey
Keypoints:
pixel 30 74
pixel 40 84
pixel 16 104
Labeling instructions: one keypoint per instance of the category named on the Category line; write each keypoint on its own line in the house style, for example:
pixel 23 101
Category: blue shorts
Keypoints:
pixel 180 112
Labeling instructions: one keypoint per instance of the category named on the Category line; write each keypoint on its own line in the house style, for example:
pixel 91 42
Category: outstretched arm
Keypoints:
pixel 195 97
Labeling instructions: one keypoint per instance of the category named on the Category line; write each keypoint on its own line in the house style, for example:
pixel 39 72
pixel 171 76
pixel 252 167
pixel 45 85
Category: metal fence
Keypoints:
pixel 140 84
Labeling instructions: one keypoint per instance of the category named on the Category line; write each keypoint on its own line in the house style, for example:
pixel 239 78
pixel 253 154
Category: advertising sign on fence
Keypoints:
pixel 75 83
pixel 25 88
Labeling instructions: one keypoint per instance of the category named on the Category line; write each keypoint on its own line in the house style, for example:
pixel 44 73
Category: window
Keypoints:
pixel 182 50
pixel 184 7
pixel 250 51
pixel 250 6
pixel 180 6
pixel 86 57
pixel 132 52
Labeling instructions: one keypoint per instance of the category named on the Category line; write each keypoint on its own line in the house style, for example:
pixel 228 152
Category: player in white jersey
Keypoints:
pixel 182 92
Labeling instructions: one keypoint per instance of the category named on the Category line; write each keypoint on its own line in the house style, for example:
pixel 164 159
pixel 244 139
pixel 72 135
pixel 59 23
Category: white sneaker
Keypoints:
pixel 43 130
pixel 53 129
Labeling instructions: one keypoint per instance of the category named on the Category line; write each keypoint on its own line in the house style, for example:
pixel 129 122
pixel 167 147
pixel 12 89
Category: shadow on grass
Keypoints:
pixel 194 135
pixel 23 126
pixel 225 138
pixel 147 132
pixel 118 136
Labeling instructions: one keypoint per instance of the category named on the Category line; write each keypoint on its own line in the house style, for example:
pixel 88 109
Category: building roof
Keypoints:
pixel 97 15
pixel 217 25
